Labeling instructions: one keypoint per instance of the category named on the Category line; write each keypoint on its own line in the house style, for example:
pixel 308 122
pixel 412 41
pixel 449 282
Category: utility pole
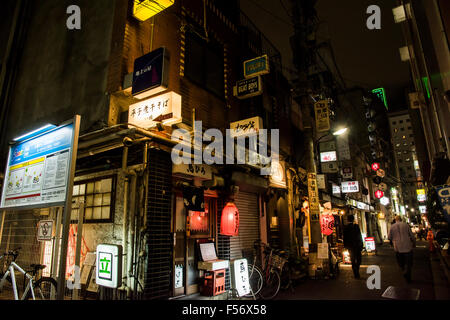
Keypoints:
pixel 302 19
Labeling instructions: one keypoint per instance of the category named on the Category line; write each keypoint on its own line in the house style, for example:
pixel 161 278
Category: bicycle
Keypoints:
pixel 44 286
pixel 266 281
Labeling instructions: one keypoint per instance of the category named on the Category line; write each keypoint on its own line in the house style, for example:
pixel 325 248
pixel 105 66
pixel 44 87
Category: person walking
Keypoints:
pixel 354 244
pixel 430 238
pixel 404 241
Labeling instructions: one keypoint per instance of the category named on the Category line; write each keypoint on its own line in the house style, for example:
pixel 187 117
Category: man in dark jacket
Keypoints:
pixel 353 243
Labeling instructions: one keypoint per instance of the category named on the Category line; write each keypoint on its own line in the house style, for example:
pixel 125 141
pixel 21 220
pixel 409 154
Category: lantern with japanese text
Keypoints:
pixel 229 224
pixel 327 224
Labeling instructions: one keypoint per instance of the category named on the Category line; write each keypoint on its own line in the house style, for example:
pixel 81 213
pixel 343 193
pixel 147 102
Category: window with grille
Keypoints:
pixel 98 197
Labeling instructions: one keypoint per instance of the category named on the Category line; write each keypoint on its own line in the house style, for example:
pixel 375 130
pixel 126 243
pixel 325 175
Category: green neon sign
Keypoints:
pixel 382 95
pixel 426 85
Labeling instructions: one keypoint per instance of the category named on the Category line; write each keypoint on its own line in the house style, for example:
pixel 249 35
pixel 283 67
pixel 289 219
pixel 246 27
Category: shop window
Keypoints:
pixel 205 63
pixel 98 195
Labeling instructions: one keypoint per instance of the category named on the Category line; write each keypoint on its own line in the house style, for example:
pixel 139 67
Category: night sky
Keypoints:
pixel 367 58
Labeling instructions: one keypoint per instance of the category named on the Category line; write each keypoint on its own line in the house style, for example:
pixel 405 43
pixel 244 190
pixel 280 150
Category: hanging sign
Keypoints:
pixel 45 230
pixel 336 189
pixel 343 147
pixel 313 194
pixel 329 167
pixel 258 66
pixel 145 9
pixel 375 166
pixel 246 127
pixel 322 116
pixel 37 172
pixel 421 195
pixel 151 74
pixel 165 108
pixel 327 224
pixel 241 279
pixel 201 171
pixel 321 181
pixel 347 173
pixel 349 186
pixel 328 156
pixel 379 194
pixel 109 265
pixel 248 88
pixel 381 173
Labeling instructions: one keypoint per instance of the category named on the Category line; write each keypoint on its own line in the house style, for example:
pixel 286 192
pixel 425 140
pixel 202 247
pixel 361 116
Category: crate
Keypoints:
pixel 213 283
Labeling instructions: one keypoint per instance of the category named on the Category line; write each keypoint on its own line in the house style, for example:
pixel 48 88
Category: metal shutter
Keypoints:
pixel 247 204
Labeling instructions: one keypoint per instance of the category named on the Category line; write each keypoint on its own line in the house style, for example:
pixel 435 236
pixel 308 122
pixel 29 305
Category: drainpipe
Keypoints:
pixel 131 233
pixel 125 218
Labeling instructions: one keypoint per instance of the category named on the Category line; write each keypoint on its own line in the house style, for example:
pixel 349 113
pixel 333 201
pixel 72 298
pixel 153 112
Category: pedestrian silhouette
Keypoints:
pixel 353 243
pixel 430 238
pixel 404 241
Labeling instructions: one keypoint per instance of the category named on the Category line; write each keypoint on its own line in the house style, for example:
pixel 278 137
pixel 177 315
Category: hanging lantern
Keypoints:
pixel 229 224
pixel 327 224
pixel 375 166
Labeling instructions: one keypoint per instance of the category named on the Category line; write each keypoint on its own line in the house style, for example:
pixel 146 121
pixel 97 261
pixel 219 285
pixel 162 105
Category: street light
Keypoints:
pixel 340 132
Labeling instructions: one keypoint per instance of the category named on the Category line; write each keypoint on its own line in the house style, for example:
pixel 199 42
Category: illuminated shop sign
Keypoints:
pixel 37 172
pixel 421 195
pixel 349 186
pixel 322 116
pixel 257 66
pixel 145 9
pixel 150 75
pixel 382 95
pixel 423 209
pixel 328 156
pixel 247 88
pixel 109 265
pixel 246 127
pixel 165 109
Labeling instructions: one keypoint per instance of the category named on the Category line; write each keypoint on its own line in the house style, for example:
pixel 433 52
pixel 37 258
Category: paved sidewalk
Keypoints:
pixel 345 287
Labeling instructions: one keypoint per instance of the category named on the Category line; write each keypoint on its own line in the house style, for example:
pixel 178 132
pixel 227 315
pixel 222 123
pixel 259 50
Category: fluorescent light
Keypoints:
pixel 340 131
pixel 47 127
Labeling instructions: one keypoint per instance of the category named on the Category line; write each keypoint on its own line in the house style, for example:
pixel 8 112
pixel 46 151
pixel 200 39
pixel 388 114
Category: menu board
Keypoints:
pixel 38 169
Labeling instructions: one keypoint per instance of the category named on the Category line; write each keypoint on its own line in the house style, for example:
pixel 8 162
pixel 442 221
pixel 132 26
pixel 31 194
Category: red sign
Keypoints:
pixel 327 224
pixel 379 194
pixel 375 166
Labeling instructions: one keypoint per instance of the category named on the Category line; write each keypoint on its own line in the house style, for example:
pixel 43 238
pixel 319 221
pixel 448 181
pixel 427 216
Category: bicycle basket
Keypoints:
pixel 278 262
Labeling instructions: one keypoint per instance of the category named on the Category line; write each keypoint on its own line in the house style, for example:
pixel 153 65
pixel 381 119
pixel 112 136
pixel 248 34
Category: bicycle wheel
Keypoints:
pixel 255 279
pixel 43 288
pixel 271 285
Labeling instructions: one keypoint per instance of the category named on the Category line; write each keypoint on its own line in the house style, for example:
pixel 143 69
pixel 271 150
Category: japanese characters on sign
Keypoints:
pixel 328 156
pixel 241 277
pixel 201 171
pixel 322 116
pixel 37 171
pixel 347 173
pixel 349 186
pixel 247 88
pixel 257 66
pixel 246 127
pixel 321 181
pixel 370 243
pixel 421 195
pixel 343 147
pixel 313 194
pixel 109 265
pixel 150 75
pixel 165 108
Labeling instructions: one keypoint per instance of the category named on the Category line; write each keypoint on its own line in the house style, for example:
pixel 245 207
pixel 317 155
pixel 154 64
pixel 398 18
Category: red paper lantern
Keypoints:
pixel 229 224
pixel 327 224
pixel 375 166
pixel 379 194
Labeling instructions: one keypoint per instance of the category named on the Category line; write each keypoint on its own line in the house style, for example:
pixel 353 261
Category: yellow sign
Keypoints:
pixel 145 9
pixel 322 116
pixel 313 193
pixel 420 192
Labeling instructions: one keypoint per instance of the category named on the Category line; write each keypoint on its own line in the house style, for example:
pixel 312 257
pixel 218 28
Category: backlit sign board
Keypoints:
pixel 328 156
pixel 370 244
pixel 382 95
pixel 248 88
pixel 246 127
pixel 38 170
pixel 150 75
pixel 165 108
pixel 421 195
pixel 257 66
pixel 349 186
pixel 109 265
pixel 145 9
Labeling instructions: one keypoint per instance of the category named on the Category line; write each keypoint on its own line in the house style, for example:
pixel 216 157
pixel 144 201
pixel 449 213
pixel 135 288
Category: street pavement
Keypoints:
pixel 427 276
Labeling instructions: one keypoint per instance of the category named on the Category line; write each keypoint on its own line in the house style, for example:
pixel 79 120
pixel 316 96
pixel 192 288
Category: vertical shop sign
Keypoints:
pixel 322 116
pixel 343 147
pixel 313 193
pixel 109 265
pixel 240 277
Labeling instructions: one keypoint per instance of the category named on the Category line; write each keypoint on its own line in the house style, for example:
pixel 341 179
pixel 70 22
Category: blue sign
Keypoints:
pixel 257 66
pixel 150 76
pixel 444 197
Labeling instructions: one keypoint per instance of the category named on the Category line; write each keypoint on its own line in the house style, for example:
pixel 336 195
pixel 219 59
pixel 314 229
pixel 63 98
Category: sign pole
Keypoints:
pixel 67 211
pixel 1 227
pixel 78 250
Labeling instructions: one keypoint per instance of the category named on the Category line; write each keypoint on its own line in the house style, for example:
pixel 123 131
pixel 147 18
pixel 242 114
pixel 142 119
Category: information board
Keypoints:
pixel 37 171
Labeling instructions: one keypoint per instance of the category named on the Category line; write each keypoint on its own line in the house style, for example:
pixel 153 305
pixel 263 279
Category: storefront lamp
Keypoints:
pixel 229 225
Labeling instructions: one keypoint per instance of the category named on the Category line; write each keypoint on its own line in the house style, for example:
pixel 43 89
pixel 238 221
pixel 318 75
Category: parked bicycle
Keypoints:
pixel 40 288
pixel 267 279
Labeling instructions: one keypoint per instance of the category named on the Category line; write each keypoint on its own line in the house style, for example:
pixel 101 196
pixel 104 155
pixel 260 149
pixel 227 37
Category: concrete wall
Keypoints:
pixel 63 72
